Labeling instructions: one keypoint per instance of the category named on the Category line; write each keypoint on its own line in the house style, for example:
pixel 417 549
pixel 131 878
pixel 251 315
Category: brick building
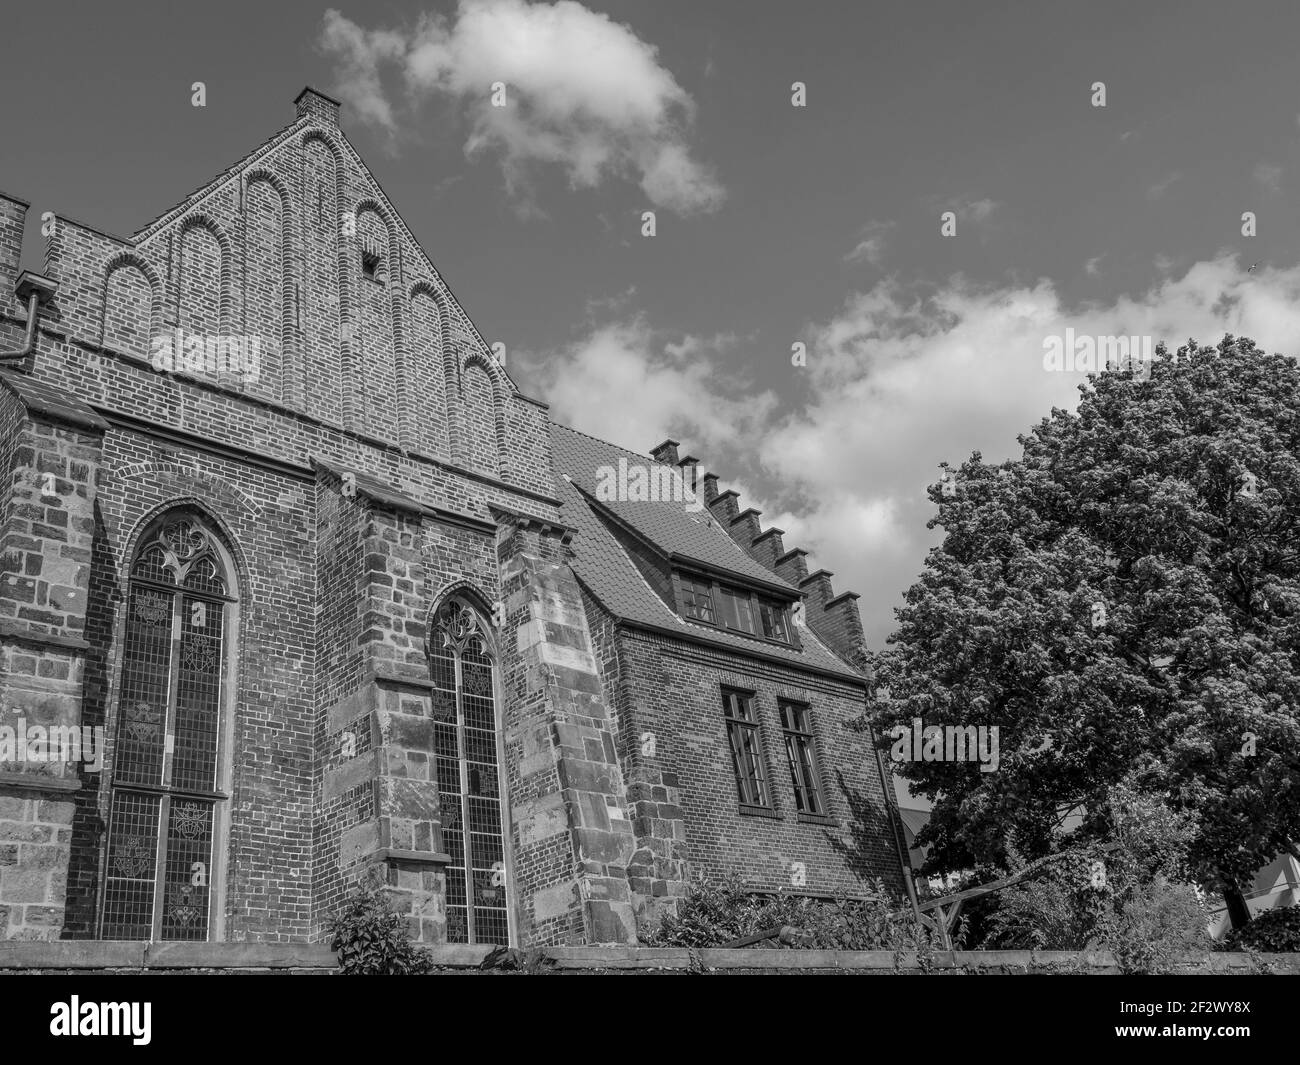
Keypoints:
pixel 313 588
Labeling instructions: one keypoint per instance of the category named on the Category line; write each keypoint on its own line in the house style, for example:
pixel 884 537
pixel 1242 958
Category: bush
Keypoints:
pixel 1129 896
pixel 1058 909
pixel 1157 924
pixel 1271 932
pixel 718 911
pixel 371 939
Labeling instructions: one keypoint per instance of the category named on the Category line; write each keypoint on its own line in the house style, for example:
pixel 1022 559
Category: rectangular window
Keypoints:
pixel 771 615
pixel 746 747
pixel 738 609
pixel 801 755
pixel 697 599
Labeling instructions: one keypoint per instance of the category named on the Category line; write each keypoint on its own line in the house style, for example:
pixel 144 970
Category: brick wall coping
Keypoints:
pixel 94 954
pixel 37 782
pixel 42 398
pixel 20 632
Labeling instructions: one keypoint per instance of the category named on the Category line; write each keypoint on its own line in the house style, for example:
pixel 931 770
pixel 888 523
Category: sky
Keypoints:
pixel 774 224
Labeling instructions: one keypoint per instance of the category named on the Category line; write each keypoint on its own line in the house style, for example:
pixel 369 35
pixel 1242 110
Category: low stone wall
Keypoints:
pixel 83 956
pixel 128 956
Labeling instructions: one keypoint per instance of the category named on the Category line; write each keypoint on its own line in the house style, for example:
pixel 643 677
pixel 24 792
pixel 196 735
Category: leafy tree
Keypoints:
pixel 1122 602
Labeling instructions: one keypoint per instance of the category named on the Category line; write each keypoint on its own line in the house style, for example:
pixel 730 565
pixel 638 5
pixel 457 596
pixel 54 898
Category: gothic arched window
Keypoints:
pixel 164 821
pixel 469 777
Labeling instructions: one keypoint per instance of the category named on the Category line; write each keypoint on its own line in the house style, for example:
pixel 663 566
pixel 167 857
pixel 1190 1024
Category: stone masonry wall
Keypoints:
pixel 49 472
pixel 572 839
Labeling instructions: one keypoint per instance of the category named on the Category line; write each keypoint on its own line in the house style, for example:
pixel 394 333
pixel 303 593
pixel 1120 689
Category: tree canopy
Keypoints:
pixel 1122 602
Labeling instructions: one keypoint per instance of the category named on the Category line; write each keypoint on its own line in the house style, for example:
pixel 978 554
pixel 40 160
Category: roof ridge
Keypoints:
pixel 597 439
pixel 158 222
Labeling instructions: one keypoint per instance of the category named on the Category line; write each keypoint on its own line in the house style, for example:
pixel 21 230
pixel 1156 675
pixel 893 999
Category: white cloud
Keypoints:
pixel 583 92
pixel 871 244
pixel 897 381
pixel 1269 175
pixel 1159 188
pixel 358 54
pixel 1093 266
pixel 627 383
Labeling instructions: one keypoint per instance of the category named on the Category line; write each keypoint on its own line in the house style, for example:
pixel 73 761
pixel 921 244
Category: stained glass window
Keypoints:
pixel 163 810
pixel 469 777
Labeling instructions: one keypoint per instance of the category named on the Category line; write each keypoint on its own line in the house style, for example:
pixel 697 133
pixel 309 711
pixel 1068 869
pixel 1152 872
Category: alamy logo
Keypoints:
pixel 946 743
pixel 200 353
pixel 57 743
pixel 653 483
pixel 102 1018
pixel 1098 354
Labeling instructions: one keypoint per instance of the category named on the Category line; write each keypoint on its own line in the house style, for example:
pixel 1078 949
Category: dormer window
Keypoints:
pixel 731 607
pixel 697 599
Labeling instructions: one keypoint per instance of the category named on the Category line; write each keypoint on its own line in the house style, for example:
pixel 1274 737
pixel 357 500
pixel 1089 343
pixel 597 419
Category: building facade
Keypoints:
pixel 313 588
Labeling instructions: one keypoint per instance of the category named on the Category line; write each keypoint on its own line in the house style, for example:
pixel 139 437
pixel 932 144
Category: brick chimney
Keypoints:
pixel 314 104
pixel 666 452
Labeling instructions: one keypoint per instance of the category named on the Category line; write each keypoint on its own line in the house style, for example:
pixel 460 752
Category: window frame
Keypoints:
pixel 482 629
pixel 755 602
pixel 750 727
pixel 806 739
pixel 218 796
pixel 680 583
pixel 372 267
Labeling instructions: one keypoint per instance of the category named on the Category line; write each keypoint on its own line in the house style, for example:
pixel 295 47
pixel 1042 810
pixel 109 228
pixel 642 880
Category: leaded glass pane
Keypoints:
pixel 465 751
pixel 131 866
pixel 146 664
pixel 187 870
pixel 198 695
pixel 150 565
pixel 203 577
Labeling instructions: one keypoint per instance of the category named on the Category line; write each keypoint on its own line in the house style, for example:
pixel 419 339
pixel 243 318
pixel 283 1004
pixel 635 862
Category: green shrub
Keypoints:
pixel 1121 885
pixel 1158 923
pixel 370 938
pixel 1271 932
pixel 718 911
pixel 1058 909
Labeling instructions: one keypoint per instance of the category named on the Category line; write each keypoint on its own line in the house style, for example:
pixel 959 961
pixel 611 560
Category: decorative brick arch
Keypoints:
pixel 121 260
pixel 394 283
pixel 443 341
pixel 290 368
pixel 192 502
pixel 188 478
pixel 493 370
pixel 450 368
pixel 345 290
pixel 473 593
pixel 203 220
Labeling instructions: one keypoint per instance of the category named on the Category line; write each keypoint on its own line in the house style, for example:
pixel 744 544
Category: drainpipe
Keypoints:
pixel 891 811
pixel 36 290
